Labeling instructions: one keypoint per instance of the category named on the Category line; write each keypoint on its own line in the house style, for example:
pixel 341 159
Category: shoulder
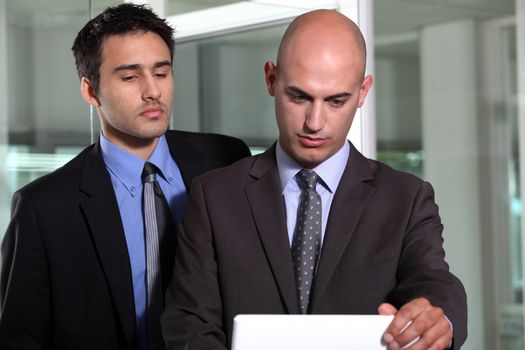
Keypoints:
pixel 385 180
pixel 208 142
pixel 205 151
pixel 384 172
pixel 376 173
pixel 55 184
pixel 236 174
pixel 200 136
pixel 399 186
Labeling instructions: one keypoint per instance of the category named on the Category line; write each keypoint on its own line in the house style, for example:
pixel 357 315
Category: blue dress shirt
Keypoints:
pixel 330 172
pixel 125 170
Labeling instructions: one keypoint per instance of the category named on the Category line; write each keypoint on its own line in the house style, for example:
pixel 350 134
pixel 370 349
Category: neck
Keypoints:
pixel 142 148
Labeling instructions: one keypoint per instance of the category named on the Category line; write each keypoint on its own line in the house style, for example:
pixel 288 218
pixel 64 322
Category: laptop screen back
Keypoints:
pixel 309 332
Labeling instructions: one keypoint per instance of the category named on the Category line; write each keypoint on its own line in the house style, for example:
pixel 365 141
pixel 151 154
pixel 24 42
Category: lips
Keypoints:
pixel 310 141
pixel 152 112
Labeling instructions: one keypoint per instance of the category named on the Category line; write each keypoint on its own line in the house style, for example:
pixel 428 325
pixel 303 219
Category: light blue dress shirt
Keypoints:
pixel 125 170
pixel 330 172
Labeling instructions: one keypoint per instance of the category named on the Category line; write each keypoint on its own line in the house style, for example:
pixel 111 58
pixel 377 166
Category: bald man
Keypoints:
pixel 366 240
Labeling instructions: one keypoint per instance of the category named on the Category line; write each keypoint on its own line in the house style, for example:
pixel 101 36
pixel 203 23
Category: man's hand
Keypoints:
pixel 427 322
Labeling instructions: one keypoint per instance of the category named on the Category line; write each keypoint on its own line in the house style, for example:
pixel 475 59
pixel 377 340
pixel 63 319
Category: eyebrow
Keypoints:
pixel 296 90
pixel 137 66
pixel 339 95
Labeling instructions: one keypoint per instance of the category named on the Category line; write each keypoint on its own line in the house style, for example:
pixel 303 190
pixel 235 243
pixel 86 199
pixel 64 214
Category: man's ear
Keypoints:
pixel 88 92
pixel 270 75
pixel 365 87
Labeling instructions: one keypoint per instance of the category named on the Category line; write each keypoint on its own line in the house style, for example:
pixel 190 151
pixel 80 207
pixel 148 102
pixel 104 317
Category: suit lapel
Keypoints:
pixel 266 203
pixel 347 207
pixel 102 214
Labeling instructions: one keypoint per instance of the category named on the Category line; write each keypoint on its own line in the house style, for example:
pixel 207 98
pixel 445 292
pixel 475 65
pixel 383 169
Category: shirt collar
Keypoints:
pixel 127 167
pixel 330 171
pixel 162 159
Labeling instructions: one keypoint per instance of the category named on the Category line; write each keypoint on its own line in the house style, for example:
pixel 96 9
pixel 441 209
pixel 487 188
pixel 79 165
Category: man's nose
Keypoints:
pixel 315 116
pixel 151 90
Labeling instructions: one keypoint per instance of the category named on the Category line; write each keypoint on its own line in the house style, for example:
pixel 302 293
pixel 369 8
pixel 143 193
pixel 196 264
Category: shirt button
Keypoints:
pixel 132 188
pixel 170 179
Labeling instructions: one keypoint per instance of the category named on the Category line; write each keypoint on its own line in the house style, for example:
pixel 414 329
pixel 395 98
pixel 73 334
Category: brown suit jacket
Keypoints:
pixel 66 277
pixel 383 243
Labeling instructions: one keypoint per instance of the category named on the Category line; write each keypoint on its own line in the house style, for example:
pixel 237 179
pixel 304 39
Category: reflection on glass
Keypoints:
pixel 219 86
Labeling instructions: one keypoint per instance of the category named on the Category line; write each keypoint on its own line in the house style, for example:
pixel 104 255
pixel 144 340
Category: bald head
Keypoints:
pixel 323 31
pixel 318 84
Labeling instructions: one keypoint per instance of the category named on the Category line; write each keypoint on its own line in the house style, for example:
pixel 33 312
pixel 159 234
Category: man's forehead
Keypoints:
pixel 317 69
pixel 122 49
pixel 132 37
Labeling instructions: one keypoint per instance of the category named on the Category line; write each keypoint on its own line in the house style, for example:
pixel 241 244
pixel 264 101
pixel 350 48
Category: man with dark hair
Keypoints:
pixel 311 225
pixel 89 250
pixel 119 20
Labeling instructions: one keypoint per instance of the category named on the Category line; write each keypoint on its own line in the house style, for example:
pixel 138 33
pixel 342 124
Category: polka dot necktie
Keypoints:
pixel 306 243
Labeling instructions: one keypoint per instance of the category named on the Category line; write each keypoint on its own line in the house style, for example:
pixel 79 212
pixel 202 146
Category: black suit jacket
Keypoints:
pixel 66 276
pixel 382 243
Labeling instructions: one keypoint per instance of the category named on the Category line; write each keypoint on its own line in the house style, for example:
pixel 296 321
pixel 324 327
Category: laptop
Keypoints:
pixel 309 332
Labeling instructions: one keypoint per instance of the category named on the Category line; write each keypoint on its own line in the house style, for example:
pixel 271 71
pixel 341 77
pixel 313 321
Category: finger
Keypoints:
pixel 386 309
pixel 438 332
pixel 440 344
pixel 427 321
pixel 406 314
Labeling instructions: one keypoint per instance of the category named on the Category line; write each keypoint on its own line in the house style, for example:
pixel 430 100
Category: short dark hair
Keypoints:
pixel 118 20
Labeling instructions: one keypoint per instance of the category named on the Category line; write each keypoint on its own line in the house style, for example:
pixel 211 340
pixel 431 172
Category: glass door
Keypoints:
pixel 447 84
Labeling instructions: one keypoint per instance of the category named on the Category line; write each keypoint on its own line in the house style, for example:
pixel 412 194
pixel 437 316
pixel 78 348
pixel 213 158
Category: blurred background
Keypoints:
pixel 448 105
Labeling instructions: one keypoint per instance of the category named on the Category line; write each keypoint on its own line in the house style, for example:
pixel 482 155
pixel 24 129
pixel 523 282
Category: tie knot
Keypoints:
pixel 149 172
pixel 307 179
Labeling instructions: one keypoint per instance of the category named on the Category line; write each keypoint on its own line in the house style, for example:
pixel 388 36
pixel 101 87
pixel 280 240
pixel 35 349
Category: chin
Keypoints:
pixel 308 162
pixel 155 132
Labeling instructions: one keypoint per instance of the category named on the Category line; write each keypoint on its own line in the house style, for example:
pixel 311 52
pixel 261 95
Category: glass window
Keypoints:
pixel 446 87
pixel 44 121
pixel 220 88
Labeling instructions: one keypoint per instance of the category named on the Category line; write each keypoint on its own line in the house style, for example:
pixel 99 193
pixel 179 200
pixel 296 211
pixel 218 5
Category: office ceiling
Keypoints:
pixel 390 16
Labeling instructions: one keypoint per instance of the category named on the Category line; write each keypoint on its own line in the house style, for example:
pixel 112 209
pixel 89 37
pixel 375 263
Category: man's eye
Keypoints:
pixel 160 75
pixel 128 78
pixel 337 103
pixel 297 98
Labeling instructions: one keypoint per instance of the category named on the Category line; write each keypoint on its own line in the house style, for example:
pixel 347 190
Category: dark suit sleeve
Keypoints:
pixel 24 283
pixel 423 271
pixel 193 314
